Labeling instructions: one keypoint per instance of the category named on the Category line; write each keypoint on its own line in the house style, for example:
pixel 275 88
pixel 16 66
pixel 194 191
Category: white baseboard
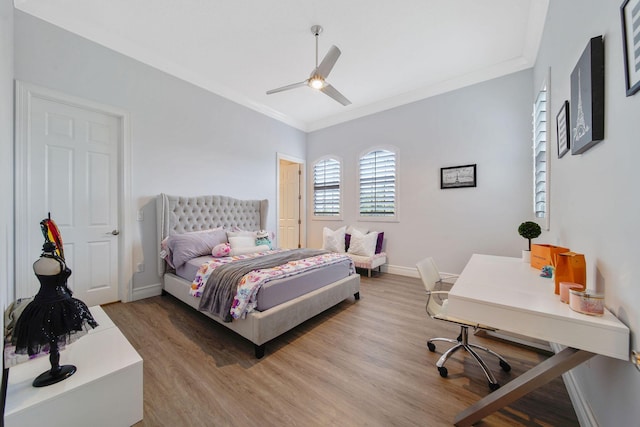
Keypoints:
pixel 400 271
pixel 146 291
pixel 404 271
pixel 585 415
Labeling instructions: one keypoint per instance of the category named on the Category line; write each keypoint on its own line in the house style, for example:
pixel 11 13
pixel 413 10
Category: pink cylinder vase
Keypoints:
pixel 564 290
pixel 586 303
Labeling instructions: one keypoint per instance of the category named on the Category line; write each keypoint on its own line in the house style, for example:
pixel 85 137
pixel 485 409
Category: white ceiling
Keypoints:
pixel 393 52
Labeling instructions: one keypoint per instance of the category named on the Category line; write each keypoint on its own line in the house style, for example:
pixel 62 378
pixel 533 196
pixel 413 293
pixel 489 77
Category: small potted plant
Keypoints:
pixel 529 230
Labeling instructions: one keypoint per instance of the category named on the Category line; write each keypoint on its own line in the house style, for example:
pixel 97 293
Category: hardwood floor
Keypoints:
pixel 359 363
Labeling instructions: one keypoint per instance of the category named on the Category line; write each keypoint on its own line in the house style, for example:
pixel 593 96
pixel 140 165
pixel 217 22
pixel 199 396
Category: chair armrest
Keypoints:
pixel 448 277
pixel 443 299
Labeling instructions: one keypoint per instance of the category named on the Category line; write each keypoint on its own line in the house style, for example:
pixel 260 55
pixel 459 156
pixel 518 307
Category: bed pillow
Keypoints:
pixel 221 250
pixel 242 242
pixel 187 246
pixel 363 244
pixel 165 252
pixel 242 233
pixel 249 250
pixel 333 240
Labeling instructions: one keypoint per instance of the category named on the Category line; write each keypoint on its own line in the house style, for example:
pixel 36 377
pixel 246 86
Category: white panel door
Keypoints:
pixel 289 209
pixel 73 175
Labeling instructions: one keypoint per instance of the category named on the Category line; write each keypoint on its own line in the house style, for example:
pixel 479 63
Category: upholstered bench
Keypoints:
pixel 369 263
pixel 363 246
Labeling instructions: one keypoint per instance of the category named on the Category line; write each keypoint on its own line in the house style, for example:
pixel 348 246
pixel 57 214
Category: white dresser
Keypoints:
pixel 105 391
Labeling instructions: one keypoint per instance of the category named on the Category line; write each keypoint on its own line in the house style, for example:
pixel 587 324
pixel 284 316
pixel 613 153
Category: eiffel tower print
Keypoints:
pixel 587 98
pixel 582 127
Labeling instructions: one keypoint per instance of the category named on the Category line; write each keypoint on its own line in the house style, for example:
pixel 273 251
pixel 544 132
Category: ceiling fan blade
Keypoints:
pixel 283 88
pixel 333 92
pixel 328 61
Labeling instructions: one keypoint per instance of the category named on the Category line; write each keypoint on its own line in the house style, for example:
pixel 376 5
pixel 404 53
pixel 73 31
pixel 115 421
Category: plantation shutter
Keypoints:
pixel 378 183
pixel 540 154
pixel 326 188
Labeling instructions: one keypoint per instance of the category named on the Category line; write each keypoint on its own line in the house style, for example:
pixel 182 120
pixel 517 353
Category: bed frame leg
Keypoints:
pixel 259 350
pixel 356 296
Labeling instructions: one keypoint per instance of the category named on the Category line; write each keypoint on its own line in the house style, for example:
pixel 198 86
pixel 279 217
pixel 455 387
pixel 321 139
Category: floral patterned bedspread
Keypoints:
pixel 245 299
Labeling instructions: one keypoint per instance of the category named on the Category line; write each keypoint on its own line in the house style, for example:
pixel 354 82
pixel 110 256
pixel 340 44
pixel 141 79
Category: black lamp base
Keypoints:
pixel 51 377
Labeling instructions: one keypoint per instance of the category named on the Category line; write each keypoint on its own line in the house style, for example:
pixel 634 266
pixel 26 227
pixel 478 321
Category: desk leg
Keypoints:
pixel 535 377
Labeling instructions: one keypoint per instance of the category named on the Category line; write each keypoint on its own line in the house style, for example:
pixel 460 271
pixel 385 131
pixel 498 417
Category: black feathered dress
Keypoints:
pixel 53 315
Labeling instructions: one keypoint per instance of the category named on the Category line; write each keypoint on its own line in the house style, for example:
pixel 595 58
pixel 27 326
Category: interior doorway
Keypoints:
pixel 291 224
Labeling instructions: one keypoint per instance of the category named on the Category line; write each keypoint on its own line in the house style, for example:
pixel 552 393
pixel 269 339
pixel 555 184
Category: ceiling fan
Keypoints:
pixel 317 78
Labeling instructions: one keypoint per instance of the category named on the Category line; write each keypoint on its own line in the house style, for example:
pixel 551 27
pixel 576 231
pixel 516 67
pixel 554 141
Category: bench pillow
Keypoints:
pixel 333 240
pixel 363 244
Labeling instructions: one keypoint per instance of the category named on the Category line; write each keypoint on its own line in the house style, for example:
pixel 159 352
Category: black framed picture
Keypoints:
pixel 562 128
pixel 587 98
pixel 630 15
pixel 458 176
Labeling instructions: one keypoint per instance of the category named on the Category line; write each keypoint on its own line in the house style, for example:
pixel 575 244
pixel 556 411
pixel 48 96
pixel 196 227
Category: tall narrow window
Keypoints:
pixel 378 184
pixel 326 188
pixel 540 154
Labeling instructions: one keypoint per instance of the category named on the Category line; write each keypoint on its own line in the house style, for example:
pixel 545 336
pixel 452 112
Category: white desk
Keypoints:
pixel 105 391
pixel 508 294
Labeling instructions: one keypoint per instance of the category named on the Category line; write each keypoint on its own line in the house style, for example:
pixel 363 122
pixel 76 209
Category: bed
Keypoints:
pixel 177 215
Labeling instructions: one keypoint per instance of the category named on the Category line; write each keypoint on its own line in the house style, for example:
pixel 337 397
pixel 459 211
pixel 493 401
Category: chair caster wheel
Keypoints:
pixel 494 386
pixel 505 366
pixel 431 346
pixel 443 372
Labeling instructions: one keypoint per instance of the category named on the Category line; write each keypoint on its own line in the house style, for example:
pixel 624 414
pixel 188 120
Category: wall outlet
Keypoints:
pixel 140 216
pixel 140 267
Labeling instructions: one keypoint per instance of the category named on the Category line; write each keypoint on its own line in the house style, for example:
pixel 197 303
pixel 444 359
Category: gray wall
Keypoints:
pixel 184 140
pixel 6 153
pixel 488 124
pixel 594 203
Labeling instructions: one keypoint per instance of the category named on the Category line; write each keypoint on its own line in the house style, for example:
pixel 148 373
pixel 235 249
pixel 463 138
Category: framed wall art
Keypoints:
pixel 458 176
pixel 587 98
pixel 562 130
pixel 630 14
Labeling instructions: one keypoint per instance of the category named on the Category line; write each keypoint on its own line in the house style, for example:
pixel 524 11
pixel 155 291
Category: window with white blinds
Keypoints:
pixel 326 188
pixel 540 154
pixel 378 184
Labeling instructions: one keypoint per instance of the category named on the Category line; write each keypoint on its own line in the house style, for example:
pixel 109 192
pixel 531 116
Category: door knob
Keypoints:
pixel 114 232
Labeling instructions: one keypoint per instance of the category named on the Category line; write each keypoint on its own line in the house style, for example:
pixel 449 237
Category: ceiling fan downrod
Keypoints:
pixel 316 30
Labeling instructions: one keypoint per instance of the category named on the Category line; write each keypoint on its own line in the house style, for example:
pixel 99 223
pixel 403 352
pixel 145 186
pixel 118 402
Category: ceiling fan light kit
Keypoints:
pixel 317 79
pixel 316 82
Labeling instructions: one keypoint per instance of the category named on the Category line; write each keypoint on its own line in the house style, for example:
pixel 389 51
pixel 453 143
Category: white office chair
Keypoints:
pixel 437 309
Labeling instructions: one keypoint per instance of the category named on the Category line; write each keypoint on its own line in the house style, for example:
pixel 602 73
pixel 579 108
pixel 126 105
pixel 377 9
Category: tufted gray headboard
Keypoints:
pixel 183 214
